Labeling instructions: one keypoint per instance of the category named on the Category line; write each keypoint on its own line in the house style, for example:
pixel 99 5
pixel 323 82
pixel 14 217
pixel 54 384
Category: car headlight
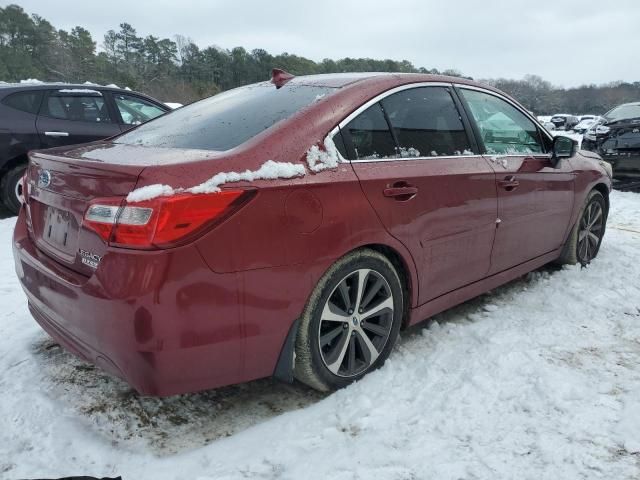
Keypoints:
pixel 602 130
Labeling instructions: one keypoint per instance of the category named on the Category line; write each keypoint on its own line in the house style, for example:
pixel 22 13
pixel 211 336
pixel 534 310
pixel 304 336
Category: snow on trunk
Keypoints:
pixel 269 170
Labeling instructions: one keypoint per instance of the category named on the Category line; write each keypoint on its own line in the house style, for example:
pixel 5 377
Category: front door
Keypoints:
pixel 535 199
pixel 419 171
pixel 71 116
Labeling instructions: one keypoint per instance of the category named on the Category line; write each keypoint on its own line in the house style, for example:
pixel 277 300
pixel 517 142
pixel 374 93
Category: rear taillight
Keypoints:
pixel 162 222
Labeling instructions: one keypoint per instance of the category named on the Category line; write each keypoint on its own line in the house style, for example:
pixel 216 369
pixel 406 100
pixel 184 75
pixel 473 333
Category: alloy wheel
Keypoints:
pixel 356 322
pixel 590 232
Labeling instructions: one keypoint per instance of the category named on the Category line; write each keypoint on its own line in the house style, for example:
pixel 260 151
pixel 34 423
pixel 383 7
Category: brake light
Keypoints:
pixel 162 222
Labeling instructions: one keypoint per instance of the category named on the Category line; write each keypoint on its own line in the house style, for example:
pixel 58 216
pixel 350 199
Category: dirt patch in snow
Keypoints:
pixel 164 425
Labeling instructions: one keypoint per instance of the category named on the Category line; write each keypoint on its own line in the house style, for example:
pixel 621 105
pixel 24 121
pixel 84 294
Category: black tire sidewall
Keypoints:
pixel 8 188
pixel 390 275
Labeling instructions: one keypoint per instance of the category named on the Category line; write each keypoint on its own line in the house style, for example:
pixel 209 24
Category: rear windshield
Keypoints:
pixel 623 112
pixel 226 120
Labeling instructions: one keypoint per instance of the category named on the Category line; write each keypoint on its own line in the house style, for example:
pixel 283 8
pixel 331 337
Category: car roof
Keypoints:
pixel 338 80
pixel 5 87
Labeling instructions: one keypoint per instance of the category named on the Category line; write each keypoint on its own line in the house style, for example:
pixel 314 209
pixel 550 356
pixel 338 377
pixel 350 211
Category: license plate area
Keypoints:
pixel 59 233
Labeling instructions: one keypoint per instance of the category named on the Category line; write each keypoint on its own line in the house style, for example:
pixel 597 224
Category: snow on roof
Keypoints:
pixel 173 105
pixel 79 90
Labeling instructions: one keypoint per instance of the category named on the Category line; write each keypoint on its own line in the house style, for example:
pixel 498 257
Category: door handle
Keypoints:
pixel 509 183
pixel 56 134
pixel 401 191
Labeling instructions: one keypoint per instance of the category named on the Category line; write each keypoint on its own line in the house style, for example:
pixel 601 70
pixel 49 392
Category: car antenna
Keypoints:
pixel 279 77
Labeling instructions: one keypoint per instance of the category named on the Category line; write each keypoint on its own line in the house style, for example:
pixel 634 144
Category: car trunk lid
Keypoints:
pixel 60 188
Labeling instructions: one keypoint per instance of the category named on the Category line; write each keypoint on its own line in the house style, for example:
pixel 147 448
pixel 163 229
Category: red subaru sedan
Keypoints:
pixel 291 228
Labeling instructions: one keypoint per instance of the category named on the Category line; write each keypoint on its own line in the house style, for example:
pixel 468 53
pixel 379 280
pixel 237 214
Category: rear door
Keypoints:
pixel 74 115
pixel 535 199
pixel 428 184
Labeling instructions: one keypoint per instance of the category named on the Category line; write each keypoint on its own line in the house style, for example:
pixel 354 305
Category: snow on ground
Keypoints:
pixel 539 379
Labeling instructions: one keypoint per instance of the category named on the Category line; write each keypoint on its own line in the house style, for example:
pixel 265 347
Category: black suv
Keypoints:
pixel 44 115
pixel 617 139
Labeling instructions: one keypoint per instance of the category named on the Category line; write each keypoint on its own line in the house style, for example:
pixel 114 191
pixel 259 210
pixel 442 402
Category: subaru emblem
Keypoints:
pixel 44 179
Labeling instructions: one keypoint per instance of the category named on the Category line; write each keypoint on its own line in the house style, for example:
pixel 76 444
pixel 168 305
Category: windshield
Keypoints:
pixel 630 110
pixel 226 120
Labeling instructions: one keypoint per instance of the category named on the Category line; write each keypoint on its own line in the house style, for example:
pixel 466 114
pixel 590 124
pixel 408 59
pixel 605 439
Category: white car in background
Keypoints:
pixel 586 122
pixel 545 120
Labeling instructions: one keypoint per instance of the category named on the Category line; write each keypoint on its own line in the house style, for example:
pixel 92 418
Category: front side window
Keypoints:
pixel 503 128
pixel 77 108
pixel 426 123
pixel 135 110
pixel 24 101
pixel 228 119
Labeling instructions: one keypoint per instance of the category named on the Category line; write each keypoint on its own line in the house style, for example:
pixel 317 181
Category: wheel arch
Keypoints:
pixel 402 268
pixel 13 162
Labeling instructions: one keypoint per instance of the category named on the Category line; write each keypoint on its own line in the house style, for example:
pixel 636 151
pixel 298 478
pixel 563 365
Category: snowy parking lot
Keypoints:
pixel 539 379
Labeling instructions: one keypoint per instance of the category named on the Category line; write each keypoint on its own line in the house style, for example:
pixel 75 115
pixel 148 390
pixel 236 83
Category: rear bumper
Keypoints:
pixel 165 323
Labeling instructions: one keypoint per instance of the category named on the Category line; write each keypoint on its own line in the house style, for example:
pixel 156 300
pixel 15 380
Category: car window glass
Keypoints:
pixel 227 119
pixel 503 128
pixel 24 101
pixel 370 135
pixel 135 110
pixel 426 123
pixel 77 108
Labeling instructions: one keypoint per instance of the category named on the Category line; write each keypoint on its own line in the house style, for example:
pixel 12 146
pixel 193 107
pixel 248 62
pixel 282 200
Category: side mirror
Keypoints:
pixel 563 147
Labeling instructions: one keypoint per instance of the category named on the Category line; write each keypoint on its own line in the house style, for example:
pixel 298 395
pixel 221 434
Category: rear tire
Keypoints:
pixel 585 237
pixel 351 321
pixel 10 188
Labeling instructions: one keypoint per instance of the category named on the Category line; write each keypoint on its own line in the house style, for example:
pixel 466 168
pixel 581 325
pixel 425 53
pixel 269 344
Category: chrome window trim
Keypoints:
pixel 386 93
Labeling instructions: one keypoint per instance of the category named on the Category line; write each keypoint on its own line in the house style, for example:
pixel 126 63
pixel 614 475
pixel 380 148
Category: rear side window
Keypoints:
pixel 24 101
pixel 226 120
pixel 426 122
pixel 370 135
pixel 77 108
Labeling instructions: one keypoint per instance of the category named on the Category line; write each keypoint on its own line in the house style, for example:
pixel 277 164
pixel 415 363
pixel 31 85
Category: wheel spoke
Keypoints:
pixel 362 279
pixel 331 313
pixel 594 239
pixel 386 304
pixel 369 350
pixel 374 328
pixel 582 248
pixel 336 357
pixel 343 289
pixel 372 293
pixel 596 216
pixel 351 357
pixel 328 337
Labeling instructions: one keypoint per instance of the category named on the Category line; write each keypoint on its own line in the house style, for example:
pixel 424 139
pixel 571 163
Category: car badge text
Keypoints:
pixel 89 258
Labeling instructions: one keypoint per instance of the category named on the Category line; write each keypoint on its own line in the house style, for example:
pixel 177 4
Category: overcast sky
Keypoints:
pixel 568 42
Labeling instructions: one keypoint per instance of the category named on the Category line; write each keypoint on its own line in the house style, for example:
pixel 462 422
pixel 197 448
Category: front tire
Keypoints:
pixel 10 188
pixel 586 235
pixel 351 321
